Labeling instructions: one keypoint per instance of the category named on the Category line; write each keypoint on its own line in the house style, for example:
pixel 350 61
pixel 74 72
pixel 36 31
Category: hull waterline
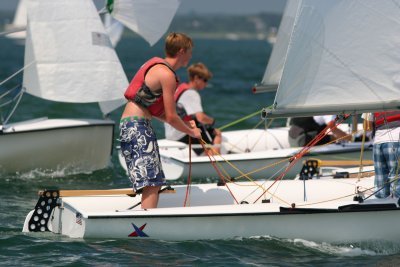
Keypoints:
pixel 212 213
pixel 52 145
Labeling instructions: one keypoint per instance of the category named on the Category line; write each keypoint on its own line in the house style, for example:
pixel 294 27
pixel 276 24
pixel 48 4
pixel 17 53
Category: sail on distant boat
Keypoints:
pixel 141 16
pixel 273 72
pixel 66 68
pixel 114 28
pixel 69 58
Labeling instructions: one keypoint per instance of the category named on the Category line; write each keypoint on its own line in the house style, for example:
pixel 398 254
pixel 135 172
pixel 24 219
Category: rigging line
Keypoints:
pixel 18 71
pixel 273 136
pixel 218 172
pixel 237 169
pixel 376 191
pixel 263 168
pixel 300 154
pixel 9 91
pixel 273 195
pixel 251 180
pixel 214 161
pixel 235 145
pixel 189 180
pixel 240 120
pixel 324 201
pixel 259 138
pixel 362 150
pixel 19 96
pixel 329 200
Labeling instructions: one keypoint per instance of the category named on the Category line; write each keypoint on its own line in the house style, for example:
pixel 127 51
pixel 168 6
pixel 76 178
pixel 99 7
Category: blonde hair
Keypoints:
pixel 176 41
pixel 200 70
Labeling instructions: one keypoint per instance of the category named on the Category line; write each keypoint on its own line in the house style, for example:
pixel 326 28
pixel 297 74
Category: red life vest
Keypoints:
pixel 156 108
pixel 181 111
pixel 180 90
pixel 385 117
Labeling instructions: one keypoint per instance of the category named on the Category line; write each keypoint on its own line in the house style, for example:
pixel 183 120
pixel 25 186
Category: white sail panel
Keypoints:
pixel 74 58
pixel 18 25
pixel 20 14
pixel 114 28
pixel 108 106
pixel 342 57
pixel 273 72
pixel 149 18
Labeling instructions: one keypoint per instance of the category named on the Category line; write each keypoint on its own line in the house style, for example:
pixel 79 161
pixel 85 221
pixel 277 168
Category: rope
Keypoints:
pixel 305 150
pixel 218 172
pixel 239 120
pixel 189 179
pixel 224 179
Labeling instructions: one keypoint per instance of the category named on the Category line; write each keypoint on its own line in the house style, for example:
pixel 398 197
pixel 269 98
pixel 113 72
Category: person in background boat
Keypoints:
pixel 386 151
pixel 151 94
pixel 189 107
pixel 304 129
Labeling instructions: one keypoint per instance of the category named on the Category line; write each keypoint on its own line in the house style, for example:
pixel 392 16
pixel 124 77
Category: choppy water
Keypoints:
pixel 236 65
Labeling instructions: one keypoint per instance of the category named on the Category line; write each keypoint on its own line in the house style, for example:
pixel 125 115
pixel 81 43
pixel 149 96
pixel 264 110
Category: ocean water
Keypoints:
pixel 236 66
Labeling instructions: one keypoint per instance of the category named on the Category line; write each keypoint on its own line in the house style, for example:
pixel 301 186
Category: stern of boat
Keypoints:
pixel 48 214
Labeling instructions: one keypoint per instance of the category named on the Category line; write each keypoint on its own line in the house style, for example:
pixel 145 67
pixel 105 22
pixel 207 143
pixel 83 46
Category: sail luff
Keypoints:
pixel 338 61
pixel 273 72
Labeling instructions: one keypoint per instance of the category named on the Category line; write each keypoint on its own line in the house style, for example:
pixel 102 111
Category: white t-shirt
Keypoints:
pixel 191 102
pixel 321 120
pixel 383 135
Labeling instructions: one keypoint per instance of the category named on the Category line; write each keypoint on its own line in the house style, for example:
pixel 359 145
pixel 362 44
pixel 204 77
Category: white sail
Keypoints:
pixel 74 60
pixel 108 106
pixel 342 57
pixel 19 22
pixel 20 14
pixel 273 72
pixel 148 18
pixel 114 28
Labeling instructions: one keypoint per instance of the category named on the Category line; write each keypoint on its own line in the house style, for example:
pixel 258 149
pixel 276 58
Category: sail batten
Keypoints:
pixel 342 56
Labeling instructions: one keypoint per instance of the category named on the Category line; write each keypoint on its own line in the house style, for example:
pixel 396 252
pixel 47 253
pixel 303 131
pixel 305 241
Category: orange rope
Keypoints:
pixel 305 150
pixel 189 179
pixel 218 172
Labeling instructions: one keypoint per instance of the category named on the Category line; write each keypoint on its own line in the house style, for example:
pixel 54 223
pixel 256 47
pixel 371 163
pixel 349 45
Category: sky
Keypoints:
pixel 204 6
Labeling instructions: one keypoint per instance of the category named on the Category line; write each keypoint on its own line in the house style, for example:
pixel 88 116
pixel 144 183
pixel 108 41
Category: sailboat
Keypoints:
pixel 331 54
pixel 68 58
pixel 258 153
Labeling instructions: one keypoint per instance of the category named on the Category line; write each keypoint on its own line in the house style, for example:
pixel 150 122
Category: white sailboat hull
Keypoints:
pixel 69 145
pixel 213 214
pixel 258 154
